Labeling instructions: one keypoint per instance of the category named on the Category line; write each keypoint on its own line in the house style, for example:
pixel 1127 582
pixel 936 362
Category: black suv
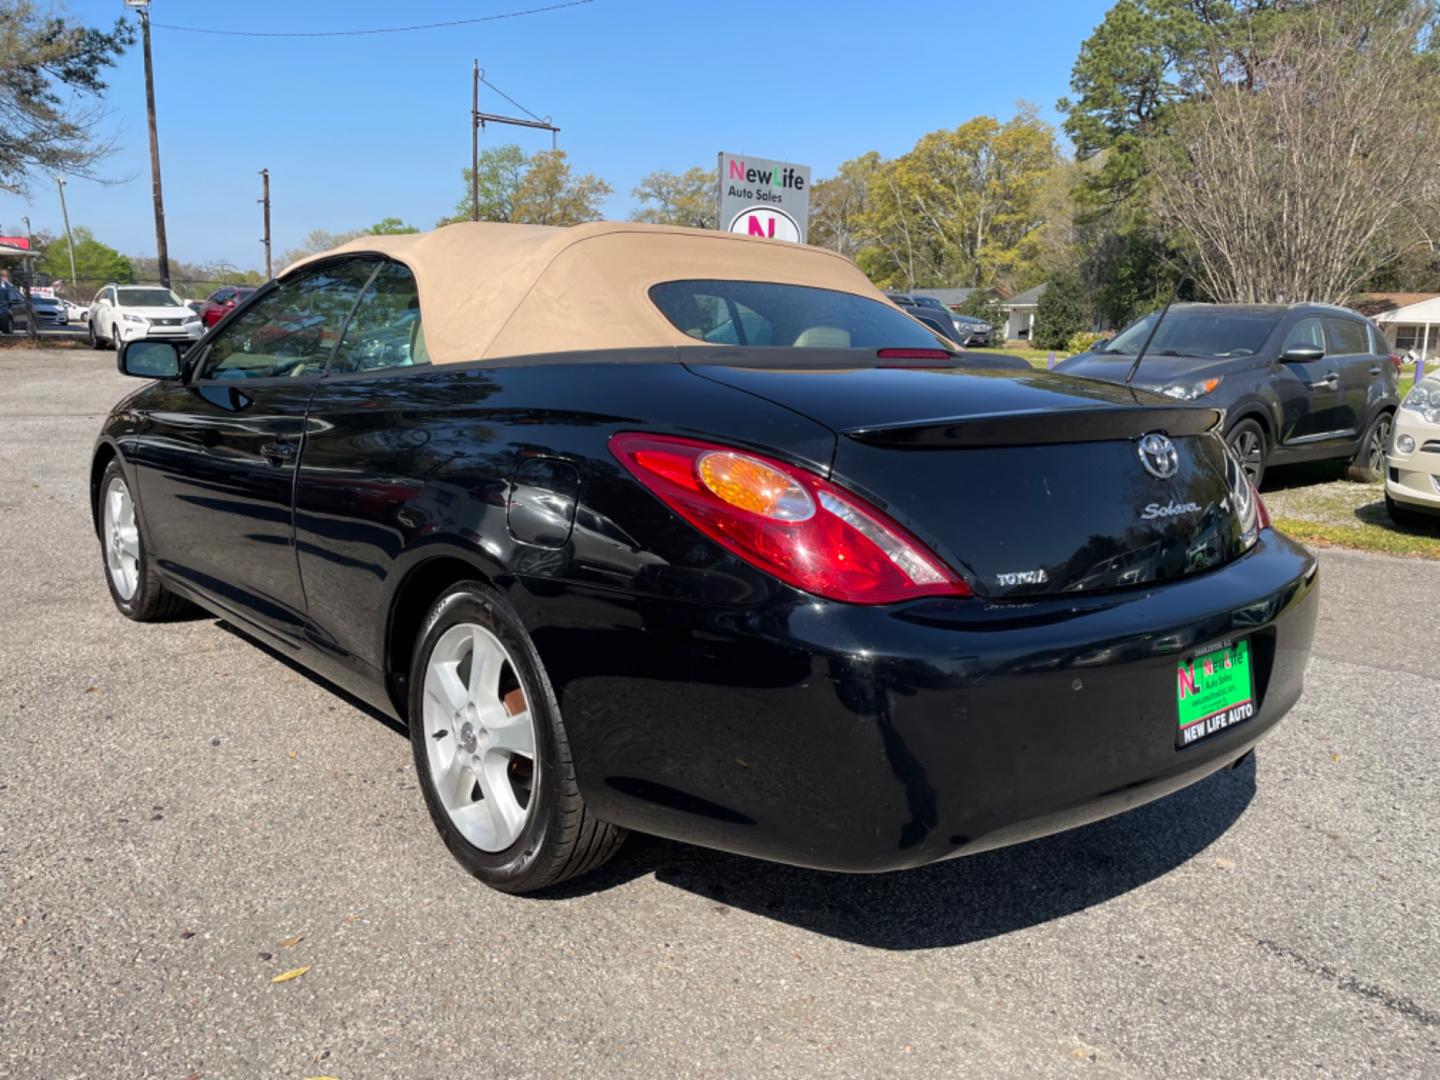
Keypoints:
pixel 1301 382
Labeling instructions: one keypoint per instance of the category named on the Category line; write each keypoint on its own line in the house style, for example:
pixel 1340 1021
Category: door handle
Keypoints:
pixel 1375 370
pixel 279 452
pixel 1329 381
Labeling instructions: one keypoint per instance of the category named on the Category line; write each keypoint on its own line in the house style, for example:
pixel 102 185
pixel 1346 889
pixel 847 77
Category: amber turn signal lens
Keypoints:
pixel 752 485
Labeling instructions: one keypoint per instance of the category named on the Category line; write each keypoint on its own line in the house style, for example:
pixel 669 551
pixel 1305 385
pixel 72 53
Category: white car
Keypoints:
pixel 1412 481
pixel 121 313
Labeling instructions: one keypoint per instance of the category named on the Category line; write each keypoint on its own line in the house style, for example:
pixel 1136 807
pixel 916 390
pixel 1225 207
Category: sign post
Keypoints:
pixel 759 197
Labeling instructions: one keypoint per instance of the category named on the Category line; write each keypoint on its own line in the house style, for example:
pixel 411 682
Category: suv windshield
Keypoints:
pixel 1198 332
pixel 793 316
pixel 147 298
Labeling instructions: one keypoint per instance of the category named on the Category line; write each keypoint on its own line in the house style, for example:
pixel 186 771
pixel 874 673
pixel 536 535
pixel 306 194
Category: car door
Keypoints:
pixel 217 305
pixel 1360 367
pixel 1308 391
pixel 369 430
pixel 100 311
pixel 218 456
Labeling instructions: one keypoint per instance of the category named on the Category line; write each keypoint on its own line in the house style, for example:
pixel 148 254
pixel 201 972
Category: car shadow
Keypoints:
pixel 959 901
pixel 319 680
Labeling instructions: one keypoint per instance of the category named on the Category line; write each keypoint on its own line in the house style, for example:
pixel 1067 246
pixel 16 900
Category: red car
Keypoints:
pixel 222 301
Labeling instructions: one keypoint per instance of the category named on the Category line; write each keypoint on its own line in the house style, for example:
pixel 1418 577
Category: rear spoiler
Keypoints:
pixel 1039 427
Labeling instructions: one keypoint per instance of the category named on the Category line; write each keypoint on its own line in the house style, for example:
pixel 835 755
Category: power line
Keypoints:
pixel 380 30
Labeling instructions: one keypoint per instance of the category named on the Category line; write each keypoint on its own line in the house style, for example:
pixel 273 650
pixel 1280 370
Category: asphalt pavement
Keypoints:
pixel 184 817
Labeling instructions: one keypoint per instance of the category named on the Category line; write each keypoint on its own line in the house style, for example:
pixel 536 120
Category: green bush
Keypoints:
pixel 1083 341
pixel 1064 309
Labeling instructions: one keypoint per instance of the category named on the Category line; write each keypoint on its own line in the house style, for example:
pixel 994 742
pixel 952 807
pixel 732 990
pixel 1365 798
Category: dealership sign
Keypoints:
pixel 759 197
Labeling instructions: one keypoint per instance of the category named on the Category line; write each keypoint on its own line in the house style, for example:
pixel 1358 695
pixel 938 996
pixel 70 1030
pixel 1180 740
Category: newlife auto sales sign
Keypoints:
pixel 766 198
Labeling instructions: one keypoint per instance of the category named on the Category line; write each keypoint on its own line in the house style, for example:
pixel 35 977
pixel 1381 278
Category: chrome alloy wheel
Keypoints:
pixel 1379 444
pixel 121 537
pixel 1249 449
pixel 479 737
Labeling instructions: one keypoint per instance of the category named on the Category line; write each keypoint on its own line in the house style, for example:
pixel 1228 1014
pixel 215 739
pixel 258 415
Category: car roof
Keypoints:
pixel 489 289
pixel 1272 309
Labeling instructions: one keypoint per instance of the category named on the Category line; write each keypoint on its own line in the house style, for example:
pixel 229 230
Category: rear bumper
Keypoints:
pixel 870 739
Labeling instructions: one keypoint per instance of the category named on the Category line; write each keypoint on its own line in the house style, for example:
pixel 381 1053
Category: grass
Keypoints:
pixel 1039 358
pixel 1317 506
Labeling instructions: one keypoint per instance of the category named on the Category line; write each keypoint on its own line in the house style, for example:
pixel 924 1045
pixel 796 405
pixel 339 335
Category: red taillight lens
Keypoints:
pixel 1262 516
pixel 1397 362
pixel 788 522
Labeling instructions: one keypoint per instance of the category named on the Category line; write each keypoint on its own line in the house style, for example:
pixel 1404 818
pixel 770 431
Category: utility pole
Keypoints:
pixel 475 144
pixel 265 199
pixel 162 251
pixel 31 330
pixel 478 120
pixel 69 240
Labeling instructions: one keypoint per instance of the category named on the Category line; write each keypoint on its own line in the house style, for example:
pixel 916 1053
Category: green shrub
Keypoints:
pixel 1064 309
pixel 1083 341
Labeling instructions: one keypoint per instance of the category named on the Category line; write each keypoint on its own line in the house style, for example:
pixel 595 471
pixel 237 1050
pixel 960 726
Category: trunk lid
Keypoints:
pixel 1030 483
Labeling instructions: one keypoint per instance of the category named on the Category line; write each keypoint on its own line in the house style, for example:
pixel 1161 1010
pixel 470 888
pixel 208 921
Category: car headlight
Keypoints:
pixel 137 319
pixel 1191 391
pixel 192 320
pixel 1405 445
pixel 1424 401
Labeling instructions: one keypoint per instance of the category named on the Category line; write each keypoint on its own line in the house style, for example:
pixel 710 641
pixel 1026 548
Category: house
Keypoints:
pixel 1408 320
pixel 1020 313
pixel 1019 309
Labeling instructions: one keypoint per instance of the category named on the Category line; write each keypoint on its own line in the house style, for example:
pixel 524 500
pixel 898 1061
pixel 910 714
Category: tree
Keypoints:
pixel 686 198
pixel 1301 176
pixel 965 205
pixel 93 260
pixel 838 205
pixel 538 190
pixel 49 66
pixel 983 304
pixel 550 195
pixel 1063 310
pixel 316 241
pixel 390 226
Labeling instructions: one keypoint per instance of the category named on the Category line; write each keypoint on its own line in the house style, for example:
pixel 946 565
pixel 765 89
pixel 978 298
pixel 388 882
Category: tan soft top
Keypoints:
pixel 490 290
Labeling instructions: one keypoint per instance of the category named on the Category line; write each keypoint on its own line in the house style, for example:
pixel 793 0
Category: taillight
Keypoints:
pixel 1397 362
pixel 1262 516
pixel 913 354
pixel 786 521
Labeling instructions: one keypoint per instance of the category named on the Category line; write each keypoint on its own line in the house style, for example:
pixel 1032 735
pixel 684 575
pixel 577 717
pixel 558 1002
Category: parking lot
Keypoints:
pixel 184 816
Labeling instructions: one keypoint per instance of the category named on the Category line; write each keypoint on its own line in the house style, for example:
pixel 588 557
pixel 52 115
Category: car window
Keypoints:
pixel 385 330
pixel 794 316
pixel 1347 337
pixel 1199 332
pixel 1305 333
pixel 1378 344
pixel 292 329
pixel 110 296
pixel 132 297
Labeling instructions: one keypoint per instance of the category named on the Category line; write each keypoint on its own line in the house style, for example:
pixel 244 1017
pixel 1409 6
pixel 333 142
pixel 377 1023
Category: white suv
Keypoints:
pixel 121 313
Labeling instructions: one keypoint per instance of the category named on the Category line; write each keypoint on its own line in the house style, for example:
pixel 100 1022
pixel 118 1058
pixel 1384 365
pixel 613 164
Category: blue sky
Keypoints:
pixel 355 129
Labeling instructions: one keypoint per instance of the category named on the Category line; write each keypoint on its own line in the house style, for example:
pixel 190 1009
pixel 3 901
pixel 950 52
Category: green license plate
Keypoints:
pixel 1214 692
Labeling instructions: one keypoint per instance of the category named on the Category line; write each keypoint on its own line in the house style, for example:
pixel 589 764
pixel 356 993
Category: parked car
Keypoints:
pixel 223 301
pixel 936 318
pixel 1412 480
pixel 49 313
pixel 977 332
pixel 846 599
pixel 121 313
pixel 1298 382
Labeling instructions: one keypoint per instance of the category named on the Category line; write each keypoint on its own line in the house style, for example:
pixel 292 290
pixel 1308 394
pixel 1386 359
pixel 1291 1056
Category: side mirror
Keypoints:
pixel 1301 354
pixel 149 360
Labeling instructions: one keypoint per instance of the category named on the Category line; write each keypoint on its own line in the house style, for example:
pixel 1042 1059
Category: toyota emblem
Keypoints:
pixel 1157 454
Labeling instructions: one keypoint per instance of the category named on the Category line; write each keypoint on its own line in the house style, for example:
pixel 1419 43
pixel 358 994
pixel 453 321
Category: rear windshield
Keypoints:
pixel 1199 333
pixel 148 298
pixel 794 316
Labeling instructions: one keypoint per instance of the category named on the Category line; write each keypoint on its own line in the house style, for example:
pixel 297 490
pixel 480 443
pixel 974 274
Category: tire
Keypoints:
pixel 95 342
pixel 1248 443
pixel 134 586
pixel 1368 464
pixel 115 341
pixel 477 769
pixel 1402 515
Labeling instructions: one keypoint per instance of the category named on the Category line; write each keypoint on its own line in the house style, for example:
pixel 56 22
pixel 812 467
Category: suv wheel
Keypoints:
pixel 95 342
pixel 1368 464
pixel 1247 442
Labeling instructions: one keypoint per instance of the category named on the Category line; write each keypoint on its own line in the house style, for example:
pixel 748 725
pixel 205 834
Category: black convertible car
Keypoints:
pixel 828 593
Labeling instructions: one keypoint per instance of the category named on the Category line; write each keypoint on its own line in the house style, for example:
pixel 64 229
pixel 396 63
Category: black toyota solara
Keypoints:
pixel 649 528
